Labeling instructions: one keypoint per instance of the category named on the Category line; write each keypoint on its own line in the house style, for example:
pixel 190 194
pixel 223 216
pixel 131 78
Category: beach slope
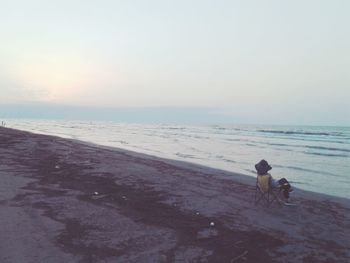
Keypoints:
pixel 69 201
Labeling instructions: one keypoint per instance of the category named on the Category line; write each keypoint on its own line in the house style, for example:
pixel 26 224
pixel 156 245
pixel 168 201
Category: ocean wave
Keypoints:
pixel 234 140
pixel 183 155
pixel 253 145
pixel 219 128
pixel 327 148
pixel 314 139
pixel 279 144
pixel 298 132
pixel 174 128
pixel 311 147
pixel 228 160
pixel 307 170
pixel 331 138
pixel 326 154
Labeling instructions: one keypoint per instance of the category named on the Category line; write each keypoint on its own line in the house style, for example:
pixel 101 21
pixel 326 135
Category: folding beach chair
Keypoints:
pixel 265 192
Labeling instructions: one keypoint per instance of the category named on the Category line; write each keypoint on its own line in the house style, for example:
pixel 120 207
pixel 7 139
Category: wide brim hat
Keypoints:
pixel 262 167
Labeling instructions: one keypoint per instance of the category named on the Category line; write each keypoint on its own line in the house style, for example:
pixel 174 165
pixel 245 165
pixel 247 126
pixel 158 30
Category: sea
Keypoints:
pixel 311 158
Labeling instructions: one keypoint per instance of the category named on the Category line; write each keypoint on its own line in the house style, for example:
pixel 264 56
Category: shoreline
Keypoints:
pixel 104 204
pixel 228 148
pixel 241 177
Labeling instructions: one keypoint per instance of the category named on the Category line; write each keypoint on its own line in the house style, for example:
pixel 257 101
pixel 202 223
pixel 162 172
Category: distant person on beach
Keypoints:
pixel 262 169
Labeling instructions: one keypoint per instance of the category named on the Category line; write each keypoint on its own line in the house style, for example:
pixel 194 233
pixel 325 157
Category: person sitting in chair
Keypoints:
pixel 262 169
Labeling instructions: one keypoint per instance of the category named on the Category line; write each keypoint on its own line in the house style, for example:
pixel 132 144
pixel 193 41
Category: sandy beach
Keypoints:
pixel 68 201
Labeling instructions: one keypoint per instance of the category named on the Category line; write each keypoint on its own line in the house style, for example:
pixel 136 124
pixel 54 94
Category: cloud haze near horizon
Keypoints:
pixel 254 61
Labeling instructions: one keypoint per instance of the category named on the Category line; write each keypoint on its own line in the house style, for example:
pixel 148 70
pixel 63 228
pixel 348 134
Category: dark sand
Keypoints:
pixel 148 209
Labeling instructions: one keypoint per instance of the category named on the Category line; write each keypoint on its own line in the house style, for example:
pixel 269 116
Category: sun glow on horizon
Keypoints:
pixel 56 79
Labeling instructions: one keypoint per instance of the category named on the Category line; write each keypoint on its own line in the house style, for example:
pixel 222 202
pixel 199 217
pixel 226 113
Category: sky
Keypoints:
pixel 252 61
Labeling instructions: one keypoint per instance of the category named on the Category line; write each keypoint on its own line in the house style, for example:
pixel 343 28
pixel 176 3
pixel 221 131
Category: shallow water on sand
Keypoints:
pixel 312 158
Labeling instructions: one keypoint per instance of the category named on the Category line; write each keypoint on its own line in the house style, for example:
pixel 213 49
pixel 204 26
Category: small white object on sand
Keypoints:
pixel 95 193
pixel 212 224
pixel 289 204
pixel 57 167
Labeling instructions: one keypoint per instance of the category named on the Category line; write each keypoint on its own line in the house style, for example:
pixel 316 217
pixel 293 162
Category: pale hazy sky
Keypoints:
pixel 283 61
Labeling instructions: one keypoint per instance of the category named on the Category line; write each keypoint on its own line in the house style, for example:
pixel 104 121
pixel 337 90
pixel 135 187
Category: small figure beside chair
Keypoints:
pixel 268 189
